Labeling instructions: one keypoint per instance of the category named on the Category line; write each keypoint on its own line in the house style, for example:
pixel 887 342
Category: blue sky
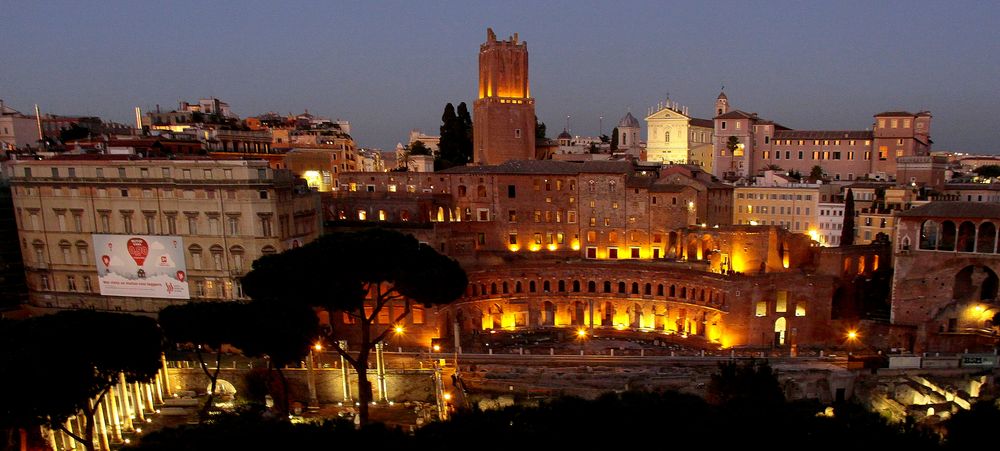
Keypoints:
pixel 391 66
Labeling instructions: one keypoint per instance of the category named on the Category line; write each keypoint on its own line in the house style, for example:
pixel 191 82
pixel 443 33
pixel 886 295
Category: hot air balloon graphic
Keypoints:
pixel 107 261
pixel 180 276
pixel 138 249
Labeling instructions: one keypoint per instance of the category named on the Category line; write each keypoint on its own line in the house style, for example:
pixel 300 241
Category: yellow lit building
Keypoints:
pixel 792 206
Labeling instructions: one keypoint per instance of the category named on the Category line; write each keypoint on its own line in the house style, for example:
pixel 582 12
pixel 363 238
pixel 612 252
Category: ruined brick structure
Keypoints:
pixel 504 126
pixel 945 281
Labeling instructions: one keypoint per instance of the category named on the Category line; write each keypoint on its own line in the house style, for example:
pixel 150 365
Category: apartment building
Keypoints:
pixel 219 216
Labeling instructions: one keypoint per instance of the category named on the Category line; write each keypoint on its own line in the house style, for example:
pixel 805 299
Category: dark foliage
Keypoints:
pixel 972 429
pixel 455 147
pixel 847 233
pixel 344 272
pixel 53 365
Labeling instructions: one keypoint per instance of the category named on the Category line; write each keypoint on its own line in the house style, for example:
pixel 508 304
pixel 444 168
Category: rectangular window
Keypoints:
pixel 634 251
pixel 511 215
pixel 511 191
pixel 613 253
pixel 512 238
pixel 127 222
pixel 591 253
pixel 781 304
pixel 761 309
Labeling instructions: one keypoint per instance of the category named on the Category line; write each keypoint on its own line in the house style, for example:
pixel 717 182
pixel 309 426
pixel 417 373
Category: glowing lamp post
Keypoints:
pixel 852 339
pixel 581 334
pixel 398 332
pixel 311 375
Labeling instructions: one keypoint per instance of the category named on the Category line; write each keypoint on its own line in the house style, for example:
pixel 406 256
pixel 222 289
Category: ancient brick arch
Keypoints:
pixel 675 301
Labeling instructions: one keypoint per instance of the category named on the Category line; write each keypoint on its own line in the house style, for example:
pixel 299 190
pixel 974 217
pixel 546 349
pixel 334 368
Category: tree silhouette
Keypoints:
pixel 206 325
pixel 358 274
pixel 847 233
pixel 291 330
pixel 59 365
pixel 455 146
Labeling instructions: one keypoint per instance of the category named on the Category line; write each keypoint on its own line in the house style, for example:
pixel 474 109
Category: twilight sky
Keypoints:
pixel 390 66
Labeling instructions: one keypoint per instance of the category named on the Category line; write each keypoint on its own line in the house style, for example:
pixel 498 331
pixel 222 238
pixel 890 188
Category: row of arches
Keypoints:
pixel 691 294
pixel 962 237
pixel 646 315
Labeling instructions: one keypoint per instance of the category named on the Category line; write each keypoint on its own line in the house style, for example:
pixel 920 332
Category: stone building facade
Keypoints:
pixel 843 154
pixel 672 136
pixel 228 214
pixel 945 282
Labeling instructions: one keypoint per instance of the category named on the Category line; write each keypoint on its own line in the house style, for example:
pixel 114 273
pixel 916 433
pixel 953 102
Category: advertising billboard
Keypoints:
pixel 141 266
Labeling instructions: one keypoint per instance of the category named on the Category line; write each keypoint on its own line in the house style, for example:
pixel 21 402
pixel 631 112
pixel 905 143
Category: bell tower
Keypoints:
pixel 504 112
pixel 721 104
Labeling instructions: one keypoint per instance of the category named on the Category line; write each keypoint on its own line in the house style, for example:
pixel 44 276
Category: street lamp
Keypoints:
pixel 852 338
pixel 398 331
pixel 581 334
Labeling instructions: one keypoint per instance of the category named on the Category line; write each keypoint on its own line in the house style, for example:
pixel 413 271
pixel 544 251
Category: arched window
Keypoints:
pixel 621 287
pixel 531 286
pixel 947 242
pixel 635 287
pixel 475 290
pixel 562 286
pixel 607 286
pixel 268 250
pixel 546 286
pixel 505 289
pixel 673 291
pixel 659 290
pixel 648 291
pixel 481 190
pixel 576 286
pixel 987 239
pixel 493 288
pixel 517 286
pixel 462 191
pixel 592 287
pixel 929 235
pixel 967 237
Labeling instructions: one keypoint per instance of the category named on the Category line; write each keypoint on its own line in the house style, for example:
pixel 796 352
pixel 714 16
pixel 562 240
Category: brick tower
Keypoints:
pixel 504 121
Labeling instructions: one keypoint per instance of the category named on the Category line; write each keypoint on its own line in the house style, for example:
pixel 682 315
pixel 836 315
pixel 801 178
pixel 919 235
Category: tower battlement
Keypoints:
pixel 504 123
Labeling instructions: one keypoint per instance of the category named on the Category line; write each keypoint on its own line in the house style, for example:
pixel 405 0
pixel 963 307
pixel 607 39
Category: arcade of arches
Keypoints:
pixel 724 310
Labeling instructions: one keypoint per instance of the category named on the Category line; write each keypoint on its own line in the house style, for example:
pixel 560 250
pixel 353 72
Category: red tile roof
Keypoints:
pixel 823 134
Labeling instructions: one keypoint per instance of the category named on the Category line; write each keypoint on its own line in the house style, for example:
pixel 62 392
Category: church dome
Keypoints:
pixel 628 121
pixel 565 135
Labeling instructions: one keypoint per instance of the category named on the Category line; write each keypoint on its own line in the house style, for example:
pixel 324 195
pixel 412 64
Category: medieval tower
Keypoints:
pixel 504 112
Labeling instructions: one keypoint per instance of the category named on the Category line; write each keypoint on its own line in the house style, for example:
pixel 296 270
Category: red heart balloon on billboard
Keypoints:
pixel 106 259
pixel 138 249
